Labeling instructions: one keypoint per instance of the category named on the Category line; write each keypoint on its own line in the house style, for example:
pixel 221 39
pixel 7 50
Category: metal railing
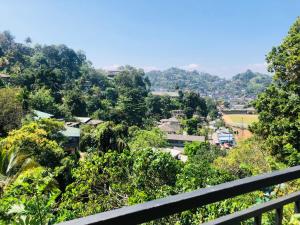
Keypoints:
pixel 159 208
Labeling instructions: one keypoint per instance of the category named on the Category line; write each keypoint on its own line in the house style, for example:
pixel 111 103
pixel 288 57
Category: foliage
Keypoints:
pixel 191 125
pixel 212 109
pixel 153 138
pixel 194 104
pixel 111 180
pixel 11 110
pixel 43 100
pixel 160 107
pixel 106 136
pixel 205 149
pixel 251 83
pixel 278 106
pixel 31 146
pixel 247 159
pixel 31 198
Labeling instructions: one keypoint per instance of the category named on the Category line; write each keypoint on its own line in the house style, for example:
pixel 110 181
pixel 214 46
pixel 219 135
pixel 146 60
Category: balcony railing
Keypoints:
pixel 159 208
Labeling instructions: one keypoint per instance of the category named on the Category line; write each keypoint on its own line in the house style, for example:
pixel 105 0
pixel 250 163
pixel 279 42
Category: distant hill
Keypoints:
pixel 247 84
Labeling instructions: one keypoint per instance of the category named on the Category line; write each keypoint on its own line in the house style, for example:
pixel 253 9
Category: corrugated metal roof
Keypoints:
pixel 165 93
pixel 4 75
pixel 83 119
pixel 71 132
pixel 179 137
pixel 42 115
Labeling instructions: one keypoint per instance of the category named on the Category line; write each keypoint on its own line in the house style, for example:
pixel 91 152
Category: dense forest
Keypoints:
pixel 247 84
pixel 119 162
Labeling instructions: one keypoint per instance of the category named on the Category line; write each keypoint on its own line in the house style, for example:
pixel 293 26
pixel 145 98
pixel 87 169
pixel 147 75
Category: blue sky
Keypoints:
pixel 221 37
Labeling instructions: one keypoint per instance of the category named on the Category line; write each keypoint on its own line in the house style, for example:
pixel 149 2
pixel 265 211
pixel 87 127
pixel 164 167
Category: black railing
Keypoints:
pixel 159 208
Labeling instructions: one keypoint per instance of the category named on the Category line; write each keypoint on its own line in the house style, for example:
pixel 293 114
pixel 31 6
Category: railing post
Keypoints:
pixel 257 220
pixel 297 206
pixel 279 216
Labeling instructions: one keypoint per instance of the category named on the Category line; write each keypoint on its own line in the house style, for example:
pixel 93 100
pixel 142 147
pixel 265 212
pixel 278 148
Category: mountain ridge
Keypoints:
pixel 247 84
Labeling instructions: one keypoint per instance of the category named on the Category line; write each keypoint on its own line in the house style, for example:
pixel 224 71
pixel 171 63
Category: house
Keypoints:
pixel 113 73
pixel 83 120
pixel 224 138
pixel 41 115
pixel 170 126
pixel 72 135
pixel 176 153
pixel 178 140
pixel 73 124
pixel 4 76
pixel 172 94
pixel 94 122
pixel 71 132
pixel 86 120
pixel 178 113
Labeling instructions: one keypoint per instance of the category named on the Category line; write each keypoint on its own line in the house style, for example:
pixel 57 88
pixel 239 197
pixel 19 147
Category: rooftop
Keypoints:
pixel 42 115
pixel 180 137
pixel 165 93
pixel 71 132
pixel 83 119
pixel 2 75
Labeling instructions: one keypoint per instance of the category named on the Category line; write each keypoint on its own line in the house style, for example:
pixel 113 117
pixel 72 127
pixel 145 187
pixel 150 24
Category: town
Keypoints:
pixel 139 112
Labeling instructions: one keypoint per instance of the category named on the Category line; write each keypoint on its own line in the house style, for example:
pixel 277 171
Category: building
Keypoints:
pixel 172 94
pixel 72 135
pixel 85 120
pixel 41 115
pixel 176 153
pixel 71 132
pixel 170 126
pixel 94 122
pixel 113 73
pixel 249 110
pixel 178 113
pixel 224 137
pixel 4 76
pixel 178 140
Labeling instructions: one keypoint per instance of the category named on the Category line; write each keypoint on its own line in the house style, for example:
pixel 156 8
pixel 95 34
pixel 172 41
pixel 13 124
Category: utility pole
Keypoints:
pixel 242 127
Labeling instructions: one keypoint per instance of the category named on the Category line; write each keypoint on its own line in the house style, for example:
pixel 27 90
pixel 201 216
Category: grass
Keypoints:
pixel 246 119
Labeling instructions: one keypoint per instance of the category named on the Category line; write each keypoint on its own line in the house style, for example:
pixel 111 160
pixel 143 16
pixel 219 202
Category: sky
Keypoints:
pixel 221 37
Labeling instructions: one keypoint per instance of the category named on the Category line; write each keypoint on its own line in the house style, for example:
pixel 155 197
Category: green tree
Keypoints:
pixel 11 109
pixel 106 136
pixel 75 102
pixel 43 100
pixel 278 106
pixel 33 145
pixel 131 107
pixel 194 104
pixel 153 138
pixel 112 180
pixel 30 199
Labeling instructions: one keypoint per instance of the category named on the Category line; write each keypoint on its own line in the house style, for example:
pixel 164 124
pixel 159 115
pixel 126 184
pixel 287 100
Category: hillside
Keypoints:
pixel 244 84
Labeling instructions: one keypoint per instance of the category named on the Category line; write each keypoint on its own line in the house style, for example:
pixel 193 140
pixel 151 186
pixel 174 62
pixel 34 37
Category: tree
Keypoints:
pixel 75 102
pixel 249 158
pixel 160 107
pixel 153 138
pixel 11 109
pixel 192 125
pixel 278 106
pixel 112 180
pixel 34 144
pixel 194 104
pixel 43 100
pixel 30 199
pixel 211 108
pixel 106 136
pixel 131 107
